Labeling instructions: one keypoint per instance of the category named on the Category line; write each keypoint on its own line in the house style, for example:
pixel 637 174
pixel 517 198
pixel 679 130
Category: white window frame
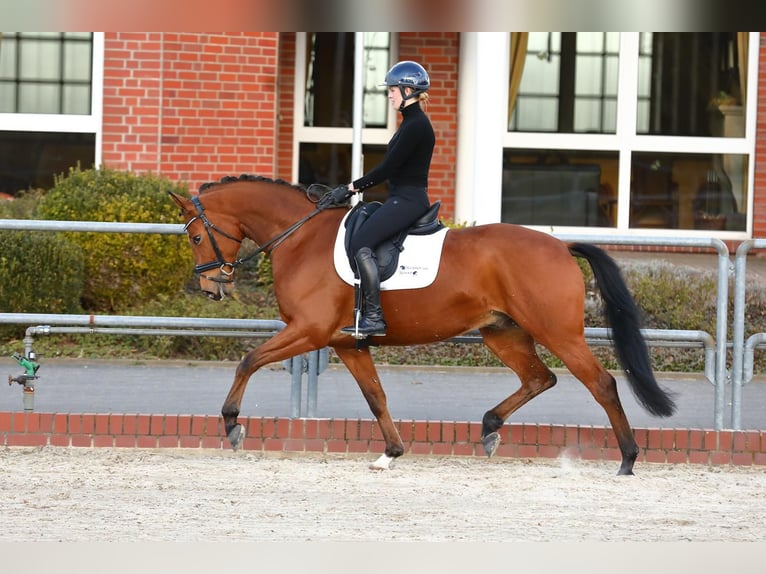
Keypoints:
pixel 626 141
pixel 69 123
pixel 309 134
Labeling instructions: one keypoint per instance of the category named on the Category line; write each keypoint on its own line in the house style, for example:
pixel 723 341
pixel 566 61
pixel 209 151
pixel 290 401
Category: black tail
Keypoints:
pixel 623 318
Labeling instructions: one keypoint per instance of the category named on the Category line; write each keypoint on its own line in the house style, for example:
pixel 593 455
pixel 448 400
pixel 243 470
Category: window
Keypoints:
pixel 50 117
pixel 656 123
pixel 568 83
pixel 325 90
pixel 46 72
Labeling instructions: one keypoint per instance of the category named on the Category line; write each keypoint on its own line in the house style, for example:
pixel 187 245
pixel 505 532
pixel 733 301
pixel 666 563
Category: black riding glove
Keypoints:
pixel 337 196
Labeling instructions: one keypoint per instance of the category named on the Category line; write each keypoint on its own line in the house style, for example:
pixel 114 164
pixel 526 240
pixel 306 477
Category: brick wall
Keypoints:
pixel 191 107
pixel 693 446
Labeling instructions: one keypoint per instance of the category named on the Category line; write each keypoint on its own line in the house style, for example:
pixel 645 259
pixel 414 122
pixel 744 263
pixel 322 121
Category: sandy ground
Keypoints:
pixel 77 494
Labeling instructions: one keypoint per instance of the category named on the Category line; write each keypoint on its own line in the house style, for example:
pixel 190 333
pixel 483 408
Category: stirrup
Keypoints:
pixel 361 331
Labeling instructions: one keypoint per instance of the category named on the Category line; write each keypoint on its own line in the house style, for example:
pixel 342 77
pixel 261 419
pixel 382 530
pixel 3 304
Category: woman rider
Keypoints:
pixel 405 167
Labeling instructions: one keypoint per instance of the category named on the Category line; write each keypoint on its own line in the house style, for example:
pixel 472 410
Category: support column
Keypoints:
pixel 482 123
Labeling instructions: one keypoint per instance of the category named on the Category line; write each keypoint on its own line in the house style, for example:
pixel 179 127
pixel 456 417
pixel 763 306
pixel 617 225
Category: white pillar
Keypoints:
pixel 482 123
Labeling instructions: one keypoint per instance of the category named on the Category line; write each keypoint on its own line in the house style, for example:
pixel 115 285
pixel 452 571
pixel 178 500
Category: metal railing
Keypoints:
pixel 50 323
pixel 743 351
pixel 715 361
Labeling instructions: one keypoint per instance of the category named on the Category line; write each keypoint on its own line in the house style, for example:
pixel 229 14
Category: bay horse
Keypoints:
pixel 515 285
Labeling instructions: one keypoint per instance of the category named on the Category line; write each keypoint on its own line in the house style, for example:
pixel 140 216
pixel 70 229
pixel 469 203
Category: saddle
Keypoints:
pixel 387 253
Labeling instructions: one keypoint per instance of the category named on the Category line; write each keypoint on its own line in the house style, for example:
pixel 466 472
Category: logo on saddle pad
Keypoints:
pixel 411 262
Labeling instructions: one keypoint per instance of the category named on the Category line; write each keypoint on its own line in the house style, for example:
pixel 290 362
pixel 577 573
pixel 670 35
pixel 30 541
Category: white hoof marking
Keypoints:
pixel 383 463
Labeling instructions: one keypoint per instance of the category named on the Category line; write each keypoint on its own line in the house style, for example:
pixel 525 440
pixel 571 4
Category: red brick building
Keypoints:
pixel 623 144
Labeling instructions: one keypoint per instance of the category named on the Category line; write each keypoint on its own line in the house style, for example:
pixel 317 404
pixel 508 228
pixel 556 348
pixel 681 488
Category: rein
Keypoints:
pixel 228 267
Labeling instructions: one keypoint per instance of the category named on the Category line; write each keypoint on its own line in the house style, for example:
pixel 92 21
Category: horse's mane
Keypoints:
pixel 248 177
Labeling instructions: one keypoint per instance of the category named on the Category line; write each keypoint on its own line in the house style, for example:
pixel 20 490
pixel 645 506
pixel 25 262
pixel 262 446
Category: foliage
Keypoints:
pixel 23 206
pixel 121 269
pixel 39 273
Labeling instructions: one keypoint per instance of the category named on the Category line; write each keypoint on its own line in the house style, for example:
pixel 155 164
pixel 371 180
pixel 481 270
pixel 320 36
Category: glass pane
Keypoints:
pixel 587 115
pixel 689 191
pixel 76 100
pixel 39 98
pixel 40 61
pixel 534 114
pixel 376 57
pixel 588 79
pixel 590 41
pixel 561 188
pixel 7 57
pixel 30 159
pixel 612 42
pixel 541 76
pixel 77 61
pixel 7 97
pixel 691 82
pixel 330 80
pixel 611 75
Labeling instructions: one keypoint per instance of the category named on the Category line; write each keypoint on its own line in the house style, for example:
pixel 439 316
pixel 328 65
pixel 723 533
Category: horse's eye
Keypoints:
pixel 197 239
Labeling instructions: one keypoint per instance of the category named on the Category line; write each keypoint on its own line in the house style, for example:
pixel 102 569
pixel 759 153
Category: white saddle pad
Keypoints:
pixel 417 267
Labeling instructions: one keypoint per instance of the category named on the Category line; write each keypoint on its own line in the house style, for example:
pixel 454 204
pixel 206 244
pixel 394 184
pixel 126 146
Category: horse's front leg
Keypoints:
pixel 287 343
pixel 360 364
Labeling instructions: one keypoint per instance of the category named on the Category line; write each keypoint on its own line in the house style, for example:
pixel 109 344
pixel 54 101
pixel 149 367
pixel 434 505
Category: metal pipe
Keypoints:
pixel 140 321
pixel 92 226
pixel 742 354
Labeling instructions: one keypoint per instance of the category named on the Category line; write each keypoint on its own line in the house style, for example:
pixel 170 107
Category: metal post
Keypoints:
pixel 312 389
pixel 296 386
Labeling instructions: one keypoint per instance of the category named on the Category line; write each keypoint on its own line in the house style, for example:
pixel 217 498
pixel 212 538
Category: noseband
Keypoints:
pixel 227 267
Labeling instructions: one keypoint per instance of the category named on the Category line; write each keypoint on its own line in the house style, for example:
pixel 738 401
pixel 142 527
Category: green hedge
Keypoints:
pixel 39 273
pixel 121 269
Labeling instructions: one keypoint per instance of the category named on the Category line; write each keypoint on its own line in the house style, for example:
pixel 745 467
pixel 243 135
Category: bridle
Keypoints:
pixel 227 268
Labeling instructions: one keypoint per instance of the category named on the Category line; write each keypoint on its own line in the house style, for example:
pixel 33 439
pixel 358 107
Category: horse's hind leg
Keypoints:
pixel 360 364
pixel 516 350
pixel 583 364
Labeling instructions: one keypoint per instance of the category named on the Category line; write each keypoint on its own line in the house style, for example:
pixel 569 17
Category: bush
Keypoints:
pixel 121 269
pixel 39 273
pixel 23 206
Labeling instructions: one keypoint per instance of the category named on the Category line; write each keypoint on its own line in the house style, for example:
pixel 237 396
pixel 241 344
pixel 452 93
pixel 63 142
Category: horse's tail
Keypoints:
pixel 623 318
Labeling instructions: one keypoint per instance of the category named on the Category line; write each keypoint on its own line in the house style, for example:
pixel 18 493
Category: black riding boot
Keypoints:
pixel 372 322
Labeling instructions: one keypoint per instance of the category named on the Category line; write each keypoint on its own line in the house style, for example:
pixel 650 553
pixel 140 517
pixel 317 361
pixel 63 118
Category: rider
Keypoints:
pixel 405 167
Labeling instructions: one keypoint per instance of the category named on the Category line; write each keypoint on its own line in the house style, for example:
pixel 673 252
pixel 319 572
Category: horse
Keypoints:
pixel 517 286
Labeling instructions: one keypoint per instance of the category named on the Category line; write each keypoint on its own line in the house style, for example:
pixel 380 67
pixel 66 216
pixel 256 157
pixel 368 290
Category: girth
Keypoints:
pixel 387 253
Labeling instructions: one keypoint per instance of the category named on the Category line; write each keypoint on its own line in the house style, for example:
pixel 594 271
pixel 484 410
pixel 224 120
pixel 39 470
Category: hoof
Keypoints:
pixel 490 443
pixel 383 463
pixel 236 436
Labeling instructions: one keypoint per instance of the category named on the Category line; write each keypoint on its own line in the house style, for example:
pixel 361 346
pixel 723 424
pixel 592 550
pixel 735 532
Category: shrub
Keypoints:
pixel 39 273
pixel 122 269
pixel 23 206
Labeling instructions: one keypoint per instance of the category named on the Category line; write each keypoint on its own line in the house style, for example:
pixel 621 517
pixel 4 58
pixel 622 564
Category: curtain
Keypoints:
pixel 743 43
pixel 519 42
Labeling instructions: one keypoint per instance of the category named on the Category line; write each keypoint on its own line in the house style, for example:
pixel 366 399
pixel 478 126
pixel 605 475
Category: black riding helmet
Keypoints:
pixel 408 74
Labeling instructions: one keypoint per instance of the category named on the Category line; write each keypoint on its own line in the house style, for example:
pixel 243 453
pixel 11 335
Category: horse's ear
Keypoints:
pixel 182 202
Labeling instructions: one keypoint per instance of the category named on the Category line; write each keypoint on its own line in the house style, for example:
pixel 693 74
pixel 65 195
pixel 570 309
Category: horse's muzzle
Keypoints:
pixel 216 288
